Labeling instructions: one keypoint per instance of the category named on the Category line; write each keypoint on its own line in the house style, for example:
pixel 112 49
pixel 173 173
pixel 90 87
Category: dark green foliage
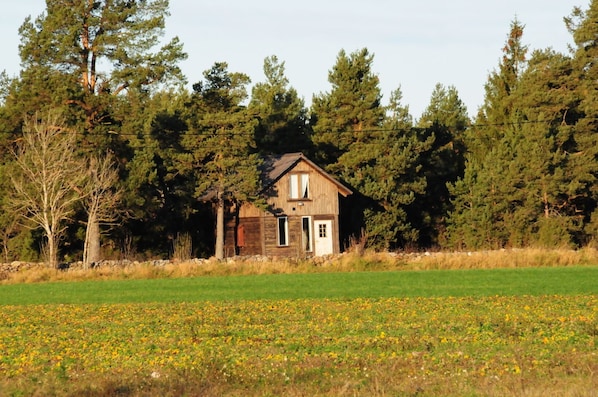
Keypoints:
pixel 218 147
pixel 444 121
pixel 583 26
pixel 219 153
pixel 530 171
pixel 282 116
pixel 523 173
pixel 16 241
pixel 350 110
pixel 159 197
pixel 489 192
pixel 386 174
pixel 378 157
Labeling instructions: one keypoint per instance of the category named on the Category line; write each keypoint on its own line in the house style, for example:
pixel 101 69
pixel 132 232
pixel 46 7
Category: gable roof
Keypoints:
pixel 275 167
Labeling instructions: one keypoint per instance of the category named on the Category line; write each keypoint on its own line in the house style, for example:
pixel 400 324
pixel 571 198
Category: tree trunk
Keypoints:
pixel 91 249
pixel 219 249
pixel 51 250
pixel 546 206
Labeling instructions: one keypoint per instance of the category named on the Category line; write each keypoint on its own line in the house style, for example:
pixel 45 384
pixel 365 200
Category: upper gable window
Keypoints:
pixel 299 186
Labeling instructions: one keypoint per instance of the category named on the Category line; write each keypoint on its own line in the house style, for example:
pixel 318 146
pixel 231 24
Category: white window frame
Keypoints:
pixel 323 230
pixel 294 186
pixel 299 186
pixel 304 192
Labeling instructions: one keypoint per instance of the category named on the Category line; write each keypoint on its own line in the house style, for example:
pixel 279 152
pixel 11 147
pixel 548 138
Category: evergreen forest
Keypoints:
pixel 106 153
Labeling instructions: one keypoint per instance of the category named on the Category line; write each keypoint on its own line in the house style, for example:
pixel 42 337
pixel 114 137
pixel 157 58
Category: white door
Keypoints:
pixel 323 237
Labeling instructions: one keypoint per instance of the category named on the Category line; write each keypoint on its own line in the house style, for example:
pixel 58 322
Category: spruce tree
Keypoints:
pixel 544 151
pixel 498 107
pixel 479 197
pixel 525 189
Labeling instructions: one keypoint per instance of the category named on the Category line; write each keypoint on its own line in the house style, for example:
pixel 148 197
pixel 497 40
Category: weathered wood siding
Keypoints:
pixel 250 211
pixel 260 227
pixel 251 228
pixel 323 196
pixel 230 241
pixel 295 238
pixel 243 238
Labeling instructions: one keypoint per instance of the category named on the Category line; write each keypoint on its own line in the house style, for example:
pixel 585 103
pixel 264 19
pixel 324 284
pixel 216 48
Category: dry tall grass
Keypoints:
pixel 348 262
pixel 513 258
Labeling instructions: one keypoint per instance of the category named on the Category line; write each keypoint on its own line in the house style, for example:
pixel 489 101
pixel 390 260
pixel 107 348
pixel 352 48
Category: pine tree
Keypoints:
pixel 159 196
pixel 89 58
pixel 583 26
pixel 378 156
pixel 219 147
pixel 85 55
pixel 350 111
pixel 445 120
pixel 281 113
pixel 386 172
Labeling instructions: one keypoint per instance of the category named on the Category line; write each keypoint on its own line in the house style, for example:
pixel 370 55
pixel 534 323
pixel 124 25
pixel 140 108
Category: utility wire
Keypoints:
pixel 365 131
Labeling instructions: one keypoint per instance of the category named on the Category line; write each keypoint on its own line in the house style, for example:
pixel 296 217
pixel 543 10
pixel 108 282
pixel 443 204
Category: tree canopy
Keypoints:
pixel 172 161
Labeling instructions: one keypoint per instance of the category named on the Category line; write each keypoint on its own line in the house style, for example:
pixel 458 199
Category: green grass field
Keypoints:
pixel 501 332
pixel 435 283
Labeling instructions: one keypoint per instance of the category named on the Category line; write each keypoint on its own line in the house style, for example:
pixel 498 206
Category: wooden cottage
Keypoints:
pixel 302 215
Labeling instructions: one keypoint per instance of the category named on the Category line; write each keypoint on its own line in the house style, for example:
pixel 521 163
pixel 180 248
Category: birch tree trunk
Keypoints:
pixel 91 250
pixel 51 249
pixel 46 178
pixel 101 200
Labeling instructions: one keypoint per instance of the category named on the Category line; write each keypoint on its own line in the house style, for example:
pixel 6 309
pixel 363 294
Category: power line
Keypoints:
pixel 347 131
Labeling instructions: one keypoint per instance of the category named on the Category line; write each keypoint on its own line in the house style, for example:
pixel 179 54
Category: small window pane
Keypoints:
pixel 299 186
pixel 304 186
pixel 282 231
pixel 294 186
pixel 322 230
pixel 306 229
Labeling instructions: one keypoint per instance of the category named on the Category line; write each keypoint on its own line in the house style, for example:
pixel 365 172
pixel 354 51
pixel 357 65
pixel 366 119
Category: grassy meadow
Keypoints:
pixel 515 330
pixel 342 285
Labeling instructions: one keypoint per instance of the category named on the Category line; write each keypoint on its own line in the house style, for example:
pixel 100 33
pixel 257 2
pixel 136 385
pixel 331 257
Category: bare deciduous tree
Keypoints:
pixel 101 199
pixel 46 179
